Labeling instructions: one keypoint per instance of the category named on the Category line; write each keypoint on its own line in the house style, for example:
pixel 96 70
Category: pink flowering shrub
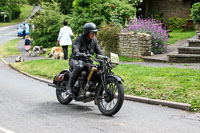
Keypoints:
pixel 152 27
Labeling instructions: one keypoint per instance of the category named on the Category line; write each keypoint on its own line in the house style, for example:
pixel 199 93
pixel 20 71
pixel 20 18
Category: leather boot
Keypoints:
pixel 72 80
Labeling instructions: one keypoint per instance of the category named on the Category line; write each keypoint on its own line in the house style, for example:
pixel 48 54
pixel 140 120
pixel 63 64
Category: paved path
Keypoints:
pixel 20 47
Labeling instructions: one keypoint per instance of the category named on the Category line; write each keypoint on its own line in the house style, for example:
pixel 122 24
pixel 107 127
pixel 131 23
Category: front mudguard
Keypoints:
pixel 118 78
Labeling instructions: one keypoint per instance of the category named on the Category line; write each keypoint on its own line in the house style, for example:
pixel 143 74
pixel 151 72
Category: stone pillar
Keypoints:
pixel 134 45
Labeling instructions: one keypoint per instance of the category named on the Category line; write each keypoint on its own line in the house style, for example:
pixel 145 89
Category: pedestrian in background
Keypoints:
pixel 64 38
pixel 28 45
pixel 24 31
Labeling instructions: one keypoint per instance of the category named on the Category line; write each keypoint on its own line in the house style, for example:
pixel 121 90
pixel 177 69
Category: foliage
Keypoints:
pixel 98 11
pixel 26 10
pixel 136 4
pixel 47 24
pixel 152 27
pixel 155 14
pixel 175 23
pixel 195 12
pixel 11 8
pixel 108 38
pixel 65 5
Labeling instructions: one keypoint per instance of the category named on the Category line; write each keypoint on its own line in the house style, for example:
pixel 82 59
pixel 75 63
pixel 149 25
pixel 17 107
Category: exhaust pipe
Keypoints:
pixel 52 85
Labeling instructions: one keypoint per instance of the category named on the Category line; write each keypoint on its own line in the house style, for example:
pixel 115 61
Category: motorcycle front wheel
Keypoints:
pixel 111 102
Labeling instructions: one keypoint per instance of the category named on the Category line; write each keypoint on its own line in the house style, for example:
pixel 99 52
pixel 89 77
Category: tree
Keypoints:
pixel 98 11
pixel 66 5
pixel 11 8
pixel 47 24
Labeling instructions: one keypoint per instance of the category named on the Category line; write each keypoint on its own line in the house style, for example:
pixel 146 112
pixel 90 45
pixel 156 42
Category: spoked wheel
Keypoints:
pixel 61 94
pixel 62 97
pixel 110 103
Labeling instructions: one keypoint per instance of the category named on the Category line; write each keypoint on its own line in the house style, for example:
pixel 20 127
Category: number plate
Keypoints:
pixel 114 58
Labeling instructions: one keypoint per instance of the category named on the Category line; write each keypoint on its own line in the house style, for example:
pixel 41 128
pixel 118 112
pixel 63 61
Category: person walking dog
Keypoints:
pixel 27 45
pixel 64 38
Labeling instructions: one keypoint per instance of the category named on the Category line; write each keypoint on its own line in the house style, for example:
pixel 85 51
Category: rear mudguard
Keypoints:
pixel 63 71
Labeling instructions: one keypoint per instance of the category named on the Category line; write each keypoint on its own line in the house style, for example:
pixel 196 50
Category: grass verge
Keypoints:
pixel 9 48
pixel 45 68
pixel 173 84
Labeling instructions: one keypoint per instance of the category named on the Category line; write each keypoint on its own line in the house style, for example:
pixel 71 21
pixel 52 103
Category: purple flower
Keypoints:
pixel 152 27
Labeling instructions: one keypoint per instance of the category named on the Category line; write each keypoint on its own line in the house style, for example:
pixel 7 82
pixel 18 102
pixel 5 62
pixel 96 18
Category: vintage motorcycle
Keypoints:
pixel 96 82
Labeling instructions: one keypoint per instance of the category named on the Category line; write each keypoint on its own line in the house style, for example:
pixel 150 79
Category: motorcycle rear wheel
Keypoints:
pixel 62 97
pixel 109 104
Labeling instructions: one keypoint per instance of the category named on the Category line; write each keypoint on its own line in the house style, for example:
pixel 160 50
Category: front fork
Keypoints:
pixel 103 78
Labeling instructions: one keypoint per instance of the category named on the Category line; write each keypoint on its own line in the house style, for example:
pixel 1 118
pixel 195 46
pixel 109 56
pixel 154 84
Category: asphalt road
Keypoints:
pixel 30 106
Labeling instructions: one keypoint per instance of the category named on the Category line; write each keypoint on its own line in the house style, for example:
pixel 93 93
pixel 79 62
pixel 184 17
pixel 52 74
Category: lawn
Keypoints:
pixel 177 34
pixel 173 84
pixel 9 48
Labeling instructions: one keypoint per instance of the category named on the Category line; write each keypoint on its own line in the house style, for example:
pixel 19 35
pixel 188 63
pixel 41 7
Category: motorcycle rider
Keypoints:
pixel 84 44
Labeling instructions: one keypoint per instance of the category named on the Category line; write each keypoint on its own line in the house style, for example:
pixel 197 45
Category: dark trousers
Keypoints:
pixel 24 34
pixel 65 50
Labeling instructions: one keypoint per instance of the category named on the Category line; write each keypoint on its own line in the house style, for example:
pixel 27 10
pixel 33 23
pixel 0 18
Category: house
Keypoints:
pixel 168 8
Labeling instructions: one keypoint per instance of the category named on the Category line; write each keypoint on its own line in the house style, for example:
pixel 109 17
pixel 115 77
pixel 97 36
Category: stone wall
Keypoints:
pixel 170 8
pixel 134 44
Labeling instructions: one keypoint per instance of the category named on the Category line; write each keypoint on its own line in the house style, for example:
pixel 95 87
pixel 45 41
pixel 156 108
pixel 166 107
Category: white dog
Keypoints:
pixel 37 50
pixel 19 59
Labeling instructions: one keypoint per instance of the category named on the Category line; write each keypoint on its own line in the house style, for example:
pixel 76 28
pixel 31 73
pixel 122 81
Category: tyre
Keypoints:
pixel 110 103
pixel 61 94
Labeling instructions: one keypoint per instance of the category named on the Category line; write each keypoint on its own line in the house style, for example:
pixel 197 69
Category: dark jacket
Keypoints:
pixel 82 45
pixel 27 42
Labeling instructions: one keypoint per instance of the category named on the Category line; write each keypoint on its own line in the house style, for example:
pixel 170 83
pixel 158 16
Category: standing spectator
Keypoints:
pixel 24 31
pixel 64 38
pixel 28 45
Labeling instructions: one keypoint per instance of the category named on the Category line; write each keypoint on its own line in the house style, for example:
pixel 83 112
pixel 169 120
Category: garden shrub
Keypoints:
pixel 195 12
pixel 47 25
pixel 176 23
pixel 152 27
pixel 97 11
pixel 108 38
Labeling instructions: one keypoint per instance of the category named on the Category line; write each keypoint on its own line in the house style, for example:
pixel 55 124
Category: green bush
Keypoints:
pixel 47 25
pixel 97 11
pixel 12 10
pixel 108 38
pixel 176 23
pixel 15 12
pixel 195 12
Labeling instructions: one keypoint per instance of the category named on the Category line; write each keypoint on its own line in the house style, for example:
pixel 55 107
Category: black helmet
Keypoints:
pixel 90 28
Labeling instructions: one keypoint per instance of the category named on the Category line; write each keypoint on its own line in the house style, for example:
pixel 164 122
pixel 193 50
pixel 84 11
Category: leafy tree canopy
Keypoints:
pixel 47 24
pixel 98 11
pixel 11 8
